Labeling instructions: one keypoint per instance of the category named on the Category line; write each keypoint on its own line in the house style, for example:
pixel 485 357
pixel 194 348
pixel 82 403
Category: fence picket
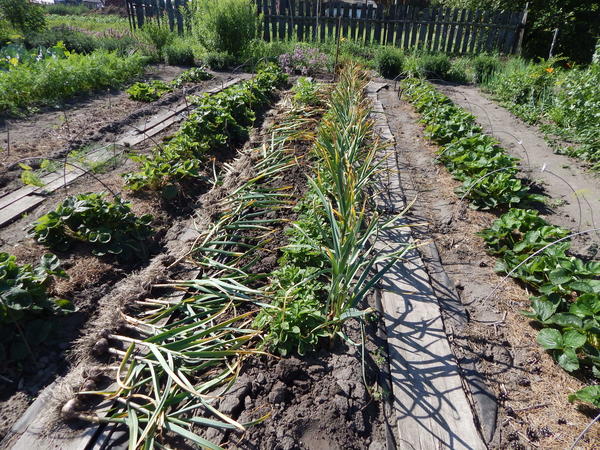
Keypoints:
pixel 368 20
pixel 403 24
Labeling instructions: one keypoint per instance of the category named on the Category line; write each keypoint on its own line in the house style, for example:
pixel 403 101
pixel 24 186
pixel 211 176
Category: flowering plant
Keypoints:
pixel 303 61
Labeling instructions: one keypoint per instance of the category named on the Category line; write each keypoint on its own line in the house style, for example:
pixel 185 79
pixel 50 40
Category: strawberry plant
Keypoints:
pixel 110 228
pixel 149 91
pixel 217 121
pixel 25 303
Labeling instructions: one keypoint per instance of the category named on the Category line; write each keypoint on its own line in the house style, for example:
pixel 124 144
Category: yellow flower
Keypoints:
pixel 14 61
pixel 549 69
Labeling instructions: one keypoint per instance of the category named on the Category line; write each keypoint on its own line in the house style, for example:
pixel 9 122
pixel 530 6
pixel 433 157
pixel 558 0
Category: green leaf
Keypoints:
pixel 589 394
pixel 560 276
pixel 573 339
pixel 568 360
pixel 549 338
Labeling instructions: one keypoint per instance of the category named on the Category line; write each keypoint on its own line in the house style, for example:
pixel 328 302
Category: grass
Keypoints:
pixel 89 22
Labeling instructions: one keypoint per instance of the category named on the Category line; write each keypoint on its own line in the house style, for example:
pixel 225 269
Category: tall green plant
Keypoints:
pixel 225 25
pixel 23 15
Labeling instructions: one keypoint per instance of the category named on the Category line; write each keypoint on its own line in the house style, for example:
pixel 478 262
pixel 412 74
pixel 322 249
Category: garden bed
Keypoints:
pixel 493 342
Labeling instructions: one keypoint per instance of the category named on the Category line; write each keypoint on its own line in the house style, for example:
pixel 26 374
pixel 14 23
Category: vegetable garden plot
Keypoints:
pixel 98 231
pixel 195 348
pixel 522 383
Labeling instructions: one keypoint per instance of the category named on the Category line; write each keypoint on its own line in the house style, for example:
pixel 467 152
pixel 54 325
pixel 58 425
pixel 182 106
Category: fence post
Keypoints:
pixel 554 36
pixel 522 30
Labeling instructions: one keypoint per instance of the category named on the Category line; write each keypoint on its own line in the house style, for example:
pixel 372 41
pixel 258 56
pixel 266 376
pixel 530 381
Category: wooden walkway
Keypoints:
pixel 432 408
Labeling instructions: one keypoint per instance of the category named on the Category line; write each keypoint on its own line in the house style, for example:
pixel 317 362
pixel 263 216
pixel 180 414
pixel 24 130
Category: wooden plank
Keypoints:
pixel 467 31
pixel 354 22
pixel 474 31
pixel 400 16
pixel 431 406
pixel 431 28
pixel 492 32
pixel 426 20
pixel 368 24
pixel 512 35
pixel 444 37
pixel 458 36
pixel 407 27
pixel 266 21
pixel 361 18
pixel 417 13
pixel 438 29
pixel 452 31
pixel 378 23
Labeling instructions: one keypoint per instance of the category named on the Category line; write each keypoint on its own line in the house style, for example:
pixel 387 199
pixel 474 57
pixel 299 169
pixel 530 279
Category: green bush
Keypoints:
pixel 485 66
pixel 23 15
pixel 219 60
pixel 180 55
pixel 227 26
pixel 123 45
pixel 74 41
pixel 24 300
pixel 148 92
pixel 158 36
pixel 435 66
pixel 389 61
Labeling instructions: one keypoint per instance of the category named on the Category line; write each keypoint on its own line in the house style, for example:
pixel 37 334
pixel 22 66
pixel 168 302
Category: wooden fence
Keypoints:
pixel 408 26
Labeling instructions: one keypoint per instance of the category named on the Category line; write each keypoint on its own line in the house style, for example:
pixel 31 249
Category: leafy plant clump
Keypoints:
pixel 218 121
pixel 110 228
pixel 25 304
pixel 389 62
pixel 151 91
pixel 306 92
pixel 226 26
pixel 304 61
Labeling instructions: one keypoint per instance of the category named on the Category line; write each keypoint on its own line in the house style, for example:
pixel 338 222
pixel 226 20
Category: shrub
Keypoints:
pixel 435 66
pixel 219 60
pixel 159 36
pixel 122 45
pixel 23 15
pixel 74 41
pixel 109 227
pixel 389 62
pixel 485 66
pixel 227 26
pixel 180 55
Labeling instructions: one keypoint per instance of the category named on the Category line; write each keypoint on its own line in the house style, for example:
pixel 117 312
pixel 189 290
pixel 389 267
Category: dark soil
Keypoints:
pixel 82 123
pixel 492 341
pixel 319 401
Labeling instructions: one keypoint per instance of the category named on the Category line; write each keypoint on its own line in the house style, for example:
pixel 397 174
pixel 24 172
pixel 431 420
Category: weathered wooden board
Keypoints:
pixel 26 198
pixel 432 409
